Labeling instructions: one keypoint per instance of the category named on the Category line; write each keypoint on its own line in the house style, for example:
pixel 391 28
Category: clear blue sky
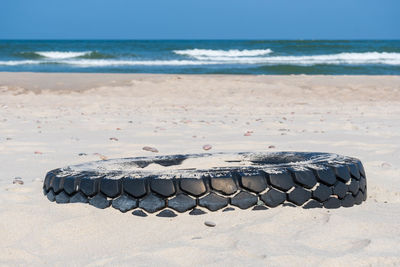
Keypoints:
pixel 199 19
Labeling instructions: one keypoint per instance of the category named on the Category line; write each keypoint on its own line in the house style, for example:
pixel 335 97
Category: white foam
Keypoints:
pixel 18 62
pixel 223 53
pixel 333 59
pixel 61 55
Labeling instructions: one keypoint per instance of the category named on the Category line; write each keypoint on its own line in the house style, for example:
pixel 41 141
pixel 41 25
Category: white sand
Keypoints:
pixel 46 120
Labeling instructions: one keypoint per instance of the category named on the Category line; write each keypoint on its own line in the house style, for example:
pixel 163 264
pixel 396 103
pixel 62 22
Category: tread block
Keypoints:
pixel 57 184
pixel 342 172
pixel 332 203
pixel 244 200
pixel 100 201
pixel 288 204
pixel 354 170
pixel 62 198
pixel 139 213
pixel 299 196
pixel 164 187
pixel 48 180
pixel 363 184
pixel 182 203
pixel 124 203
pixel 134 187
pixel 228 209
pixel 213 202
pixel 89 186
pixel 110 187
pixel 166 213
pixel 282 181
pixel 354 186
pixel 312 204
pixel 51 196
pixel 305 178
pixel 322 192
pixel 361 168
pixel 254 183
pixel 225 185
pixel 152 203
pixel 365 195
pixel 348 200
pixel 192 186
pixel 197 212
pixel 340 189
pixel 69 185
pixel 78 197
pixel 259 207
pixel 326 176
pixel 358 199
pixel 273 198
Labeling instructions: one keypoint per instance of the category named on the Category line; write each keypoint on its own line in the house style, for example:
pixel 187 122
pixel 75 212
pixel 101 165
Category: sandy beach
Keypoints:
pixel 50 120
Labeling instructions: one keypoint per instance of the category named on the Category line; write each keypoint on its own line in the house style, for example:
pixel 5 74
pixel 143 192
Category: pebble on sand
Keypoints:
pixel 18 180
pixel 151 149
pixel 210 224
pixel 113 139
pixel 207 147
pixel 271 146
pixel 248 133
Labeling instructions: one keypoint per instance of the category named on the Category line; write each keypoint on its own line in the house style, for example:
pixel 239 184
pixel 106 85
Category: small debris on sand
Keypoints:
pixel 210 224
pixel 102 157
pixel 271 146
pixel 207 147
pixel 386 165
pixel 118 129
pixel 151 149
pixel 18 180
pixel 113 139
pixel 38 152
pixel 82 154
pixel 248 133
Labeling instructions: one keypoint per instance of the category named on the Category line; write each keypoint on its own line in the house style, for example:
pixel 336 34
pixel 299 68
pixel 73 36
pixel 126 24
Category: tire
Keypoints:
pixel 179 183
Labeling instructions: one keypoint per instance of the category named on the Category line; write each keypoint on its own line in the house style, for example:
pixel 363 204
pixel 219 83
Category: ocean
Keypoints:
pixel 373 57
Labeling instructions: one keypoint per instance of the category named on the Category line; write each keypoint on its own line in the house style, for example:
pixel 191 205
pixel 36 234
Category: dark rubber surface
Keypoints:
pixel 308 180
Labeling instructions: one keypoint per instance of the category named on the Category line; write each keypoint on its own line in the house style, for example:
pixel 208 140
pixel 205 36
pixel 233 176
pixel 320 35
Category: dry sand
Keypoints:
pixel 47 120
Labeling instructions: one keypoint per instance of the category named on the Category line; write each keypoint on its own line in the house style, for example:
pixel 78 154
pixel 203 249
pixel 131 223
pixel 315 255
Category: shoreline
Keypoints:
pixel 340 88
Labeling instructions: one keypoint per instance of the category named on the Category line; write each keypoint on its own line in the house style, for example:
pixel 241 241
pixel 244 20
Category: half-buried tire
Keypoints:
pixel 200 182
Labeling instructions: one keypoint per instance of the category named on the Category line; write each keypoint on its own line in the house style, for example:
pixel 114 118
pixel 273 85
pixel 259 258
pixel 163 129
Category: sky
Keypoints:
pixel 200 19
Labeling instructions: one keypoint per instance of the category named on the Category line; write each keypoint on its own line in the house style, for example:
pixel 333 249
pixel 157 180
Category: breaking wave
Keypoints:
pixel 76 59
pixel 61 55
pixel 223 53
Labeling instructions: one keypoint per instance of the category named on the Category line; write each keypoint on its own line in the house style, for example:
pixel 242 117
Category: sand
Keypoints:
pixel 52 120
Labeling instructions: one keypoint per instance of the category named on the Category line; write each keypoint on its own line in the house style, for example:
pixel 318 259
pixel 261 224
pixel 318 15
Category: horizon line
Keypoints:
pixel 195 39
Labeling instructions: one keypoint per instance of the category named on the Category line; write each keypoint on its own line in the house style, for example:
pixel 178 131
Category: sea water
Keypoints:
pixel 373 57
